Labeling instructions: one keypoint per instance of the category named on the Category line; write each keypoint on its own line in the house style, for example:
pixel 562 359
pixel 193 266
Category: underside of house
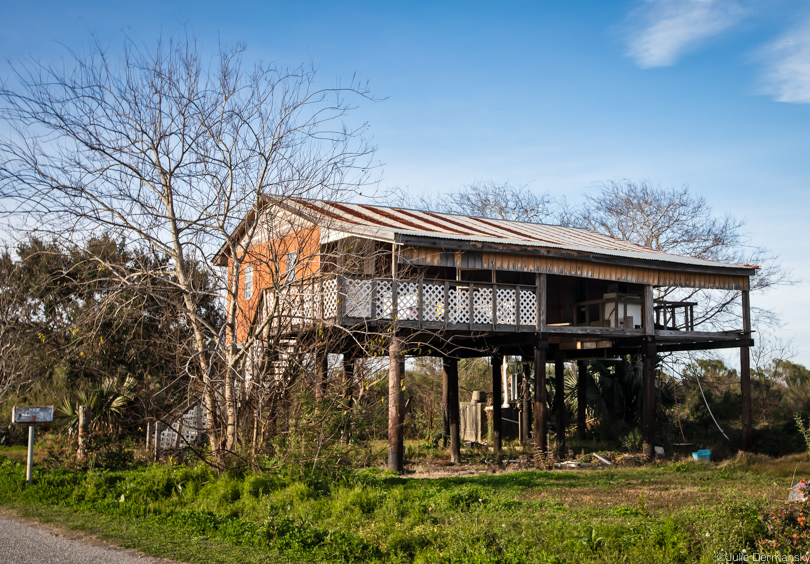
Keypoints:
pixel 432 284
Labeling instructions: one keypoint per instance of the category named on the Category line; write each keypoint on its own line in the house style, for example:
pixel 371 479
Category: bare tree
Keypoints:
pixel 673 220
pixel 15 370
pixel 172 152
pixel 490 199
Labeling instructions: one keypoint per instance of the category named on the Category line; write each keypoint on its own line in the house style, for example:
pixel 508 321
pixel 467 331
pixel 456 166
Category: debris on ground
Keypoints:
pixel 799 491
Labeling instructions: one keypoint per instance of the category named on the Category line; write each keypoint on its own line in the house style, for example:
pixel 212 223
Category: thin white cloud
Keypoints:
pixel 787 76
pixel 664 30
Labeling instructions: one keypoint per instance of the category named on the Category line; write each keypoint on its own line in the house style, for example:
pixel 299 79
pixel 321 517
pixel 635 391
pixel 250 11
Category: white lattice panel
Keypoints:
pixel 482 305
pixel 293 302
pixel 358 297
pixel 458 305
pixel 383 300
pixel 433 302
pixel 330 298
pixel 528 308
pixel 191 427
pixel 408 301
pixel 309 303
pixel 505 305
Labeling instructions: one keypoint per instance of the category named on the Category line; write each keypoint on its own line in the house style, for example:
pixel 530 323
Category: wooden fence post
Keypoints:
pixel 84 425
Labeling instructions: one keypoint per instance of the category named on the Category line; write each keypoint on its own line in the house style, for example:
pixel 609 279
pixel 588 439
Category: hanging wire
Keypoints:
pixel 707 403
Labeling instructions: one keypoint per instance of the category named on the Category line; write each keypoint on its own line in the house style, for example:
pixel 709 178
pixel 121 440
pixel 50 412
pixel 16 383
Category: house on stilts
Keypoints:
pixel 425 283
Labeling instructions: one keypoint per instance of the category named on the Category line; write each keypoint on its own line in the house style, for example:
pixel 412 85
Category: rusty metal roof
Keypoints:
pixel 387 223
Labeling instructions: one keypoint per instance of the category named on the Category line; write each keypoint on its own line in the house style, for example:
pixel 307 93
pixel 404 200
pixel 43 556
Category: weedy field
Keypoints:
pixel 667 512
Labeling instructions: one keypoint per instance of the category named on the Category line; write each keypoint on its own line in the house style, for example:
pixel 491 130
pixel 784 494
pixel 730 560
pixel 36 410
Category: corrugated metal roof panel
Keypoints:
pixel 399 221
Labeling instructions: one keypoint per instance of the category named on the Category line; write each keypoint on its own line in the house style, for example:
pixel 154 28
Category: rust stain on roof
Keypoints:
pixel 461 224
pixel 422 223
pixel 428 221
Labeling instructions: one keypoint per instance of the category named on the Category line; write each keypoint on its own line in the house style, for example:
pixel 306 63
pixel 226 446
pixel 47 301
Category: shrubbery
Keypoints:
pixel 787 526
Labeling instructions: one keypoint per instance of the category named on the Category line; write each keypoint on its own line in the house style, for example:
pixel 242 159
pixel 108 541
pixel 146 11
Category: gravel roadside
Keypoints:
pixel 23 542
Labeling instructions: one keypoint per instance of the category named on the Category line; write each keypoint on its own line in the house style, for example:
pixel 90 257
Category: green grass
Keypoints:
pixel 683 512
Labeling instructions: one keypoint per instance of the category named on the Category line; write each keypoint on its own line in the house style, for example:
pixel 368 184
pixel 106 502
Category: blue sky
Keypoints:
pixel 714 94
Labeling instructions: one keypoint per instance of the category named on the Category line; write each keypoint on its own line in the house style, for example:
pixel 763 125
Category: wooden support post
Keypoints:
pixel 394 285
pixel 540 294
pixel 648 385
pixel 321 374
pixel 582 397
pixel 158 429
pixel 745 374
pixel 84 429
pixel 526 402
pixel 649 308
pixel 396 405
pixel 497 400
pixel 540 401
pixel 559 401
pixel 450 376
pixel 446 403
pixel 348 384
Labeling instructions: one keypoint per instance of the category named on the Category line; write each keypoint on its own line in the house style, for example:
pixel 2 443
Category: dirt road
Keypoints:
pixel 24 543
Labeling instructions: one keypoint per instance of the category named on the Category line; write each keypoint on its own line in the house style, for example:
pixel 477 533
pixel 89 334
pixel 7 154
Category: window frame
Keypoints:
pixel 289 276
pixel 248 282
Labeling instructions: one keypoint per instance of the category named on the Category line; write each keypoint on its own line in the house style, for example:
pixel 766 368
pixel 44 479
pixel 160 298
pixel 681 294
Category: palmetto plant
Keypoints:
pixel 106 401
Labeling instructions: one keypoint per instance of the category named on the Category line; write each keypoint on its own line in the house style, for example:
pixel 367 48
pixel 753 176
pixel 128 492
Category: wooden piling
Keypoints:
pixel 396 405
pixel 648 385
pixel 526 405
pixel 450 375
pixel 559 401
pixel 540 401
pixel 497 399
pixel 745 374
pixel 582 397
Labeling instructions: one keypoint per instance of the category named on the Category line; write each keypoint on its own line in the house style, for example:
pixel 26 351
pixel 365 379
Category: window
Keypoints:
pixel 292 261
pixel 248 282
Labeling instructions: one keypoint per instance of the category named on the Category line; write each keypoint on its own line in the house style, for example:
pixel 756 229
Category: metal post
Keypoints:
pixel 29 469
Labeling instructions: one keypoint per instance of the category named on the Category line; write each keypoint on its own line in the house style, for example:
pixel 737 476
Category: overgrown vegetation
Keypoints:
pixel 690 512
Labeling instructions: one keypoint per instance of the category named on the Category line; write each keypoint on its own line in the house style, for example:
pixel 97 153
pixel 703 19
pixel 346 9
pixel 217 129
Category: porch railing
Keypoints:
pixel 415 303
pixel 679 316
pixel 450 304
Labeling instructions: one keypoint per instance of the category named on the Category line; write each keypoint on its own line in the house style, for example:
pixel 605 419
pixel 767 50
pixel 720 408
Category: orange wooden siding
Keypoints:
pixel 270 268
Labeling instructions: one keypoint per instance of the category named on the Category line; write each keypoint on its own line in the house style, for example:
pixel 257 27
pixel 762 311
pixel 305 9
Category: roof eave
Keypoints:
pixel 561 252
